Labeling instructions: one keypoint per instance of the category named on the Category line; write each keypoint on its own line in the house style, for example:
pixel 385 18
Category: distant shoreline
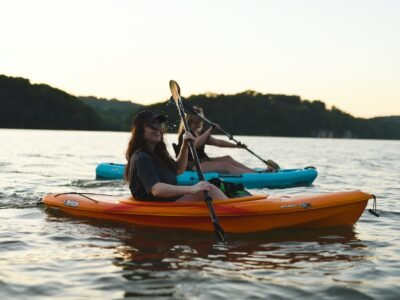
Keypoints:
pixel 221 135
pixel 38 106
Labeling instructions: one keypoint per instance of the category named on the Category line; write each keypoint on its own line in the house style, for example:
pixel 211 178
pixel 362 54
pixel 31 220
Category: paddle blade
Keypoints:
pixel 273 165
pixel 175 90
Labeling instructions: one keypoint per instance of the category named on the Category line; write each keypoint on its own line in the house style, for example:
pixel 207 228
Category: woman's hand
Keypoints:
pixel 240 145
pixel 187 136
pixel 215 125
pixel 182 158
pixel 200 186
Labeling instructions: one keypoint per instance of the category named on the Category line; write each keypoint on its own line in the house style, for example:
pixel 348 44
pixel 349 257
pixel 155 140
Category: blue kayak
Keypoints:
pixel 283 179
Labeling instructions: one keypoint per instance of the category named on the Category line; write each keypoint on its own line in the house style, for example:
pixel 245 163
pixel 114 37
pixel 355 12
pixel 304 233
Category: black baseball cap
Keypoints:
pixel 147 117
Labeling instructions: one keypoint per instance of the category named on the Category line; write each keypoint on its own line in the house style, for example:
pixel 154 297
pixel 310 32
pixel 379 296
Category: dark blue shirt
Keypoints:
pixel 145 173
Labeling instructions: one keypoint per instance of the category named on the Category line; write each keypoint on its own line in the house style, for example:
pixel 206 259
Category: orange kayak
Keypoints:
pixel 247 214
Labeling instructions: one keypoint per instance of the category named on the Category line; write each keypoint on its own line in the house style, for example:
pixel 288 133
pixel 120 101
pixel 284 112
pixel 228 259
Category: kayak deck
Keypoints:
pixel 240 215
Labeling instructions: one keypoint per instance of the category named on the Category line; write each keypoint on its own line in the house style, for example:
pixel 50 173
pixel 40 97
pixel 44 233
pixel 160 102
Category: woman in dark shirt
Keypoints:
pixel 151 172
pixel 222 164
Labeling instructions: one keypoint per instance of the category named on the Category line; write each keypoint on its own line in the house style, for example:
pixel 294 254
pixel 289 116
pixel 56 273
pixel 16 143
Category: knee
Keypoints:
pixel 229 158
pixel 213 188
pixel 214 191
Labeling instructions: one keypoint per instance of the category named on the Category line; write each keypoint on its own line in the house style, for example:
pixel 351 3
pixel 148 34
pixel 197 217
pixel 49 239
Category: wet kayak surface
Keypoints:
pixel 45 254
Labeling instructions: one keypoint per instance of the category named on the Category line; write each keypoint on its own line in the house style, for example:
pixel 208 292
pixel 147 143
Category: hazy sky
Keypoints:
pixel 343 52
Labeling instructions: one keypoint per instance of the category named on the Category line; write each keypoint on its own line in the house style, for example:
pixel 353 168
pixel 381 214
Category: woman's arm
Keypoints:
pixel 182 158
pixel 164 190
pixel 202 139
pixel 221 143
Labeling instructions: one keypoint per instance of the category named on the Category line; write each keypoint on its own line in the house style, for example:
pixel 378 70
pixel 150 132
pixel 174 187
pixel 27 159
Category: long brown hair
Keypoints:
pixel 137 142
pixel 192 120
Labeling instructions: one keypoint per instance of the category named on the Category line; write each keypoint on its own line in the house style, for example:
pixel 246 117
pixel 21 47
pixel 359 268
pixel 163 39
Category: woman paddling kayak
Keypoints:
pixel 222 164
pixel 151 171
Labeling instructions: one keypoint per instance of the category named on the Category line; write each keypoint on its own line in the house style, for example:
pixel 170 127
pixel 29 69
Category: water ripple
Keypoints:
pixel 47 254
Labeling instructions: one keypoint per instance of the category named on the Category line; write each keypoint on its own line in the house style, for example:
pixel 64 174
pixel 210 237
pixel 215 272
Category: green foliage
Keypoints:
pixel 251 113
pixel 39 106
pixel 116 114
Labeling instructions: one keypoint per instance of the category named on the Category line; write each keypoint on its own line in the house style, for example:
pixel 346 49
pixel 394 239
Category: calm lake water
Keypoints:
pixel 43 255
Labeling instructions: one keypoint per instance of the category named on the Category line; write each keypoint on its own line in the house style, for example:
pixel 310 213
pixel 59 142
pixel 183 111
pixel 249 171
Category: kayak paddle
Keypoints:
pixel 176 95
pixel 270 163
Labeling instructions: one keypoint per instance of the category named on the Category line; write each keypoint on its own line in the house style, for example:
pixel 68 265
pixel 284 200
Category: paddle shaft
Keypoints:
pixel 218 229
pixel 191 144
pixel 230 136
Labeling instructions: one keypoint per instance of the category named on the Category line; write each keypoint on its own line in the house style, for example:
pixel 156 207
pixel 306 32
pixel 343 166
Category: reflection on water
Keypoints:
pixel 281 249
pixel 45 254
pixel 157 262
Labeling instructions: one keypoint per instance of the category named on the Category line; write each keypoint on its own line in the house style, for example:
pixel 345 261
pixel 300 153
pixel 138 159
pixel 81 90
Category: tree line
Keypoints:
pixel 252 113
pixel 39 106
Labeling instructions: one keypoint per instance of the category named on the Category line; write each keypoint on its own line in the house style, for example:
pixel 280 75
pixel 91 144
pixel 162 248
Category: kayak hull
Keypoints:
pixel 283 179
pixel 240 215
